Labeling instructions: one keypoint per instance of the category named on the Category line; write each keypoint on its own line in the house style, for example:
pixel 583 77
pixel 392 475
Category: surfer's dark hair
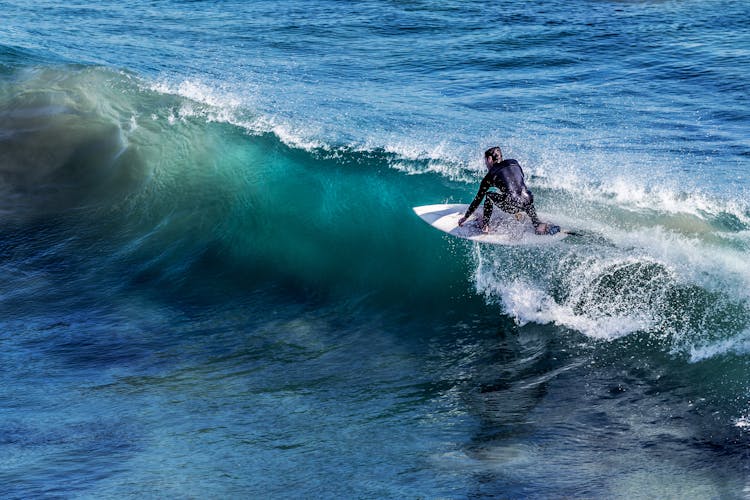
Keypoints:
pixel 495 153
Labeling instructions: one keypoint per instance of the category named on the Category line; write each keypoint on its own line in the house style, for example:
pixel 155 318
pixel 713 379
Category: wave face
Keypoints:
pixel 224 194
pixel 159 182
pixel 208 243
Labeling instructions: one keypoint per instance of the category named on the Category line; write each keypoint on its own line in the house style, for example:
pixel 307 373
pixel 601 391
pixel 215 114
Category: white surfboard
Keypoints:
pixel 505 229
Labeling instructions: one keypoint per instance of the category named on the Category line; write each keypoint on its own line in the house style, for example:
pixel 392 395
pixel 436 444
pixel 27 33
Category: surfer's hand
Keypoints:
pixel 461 221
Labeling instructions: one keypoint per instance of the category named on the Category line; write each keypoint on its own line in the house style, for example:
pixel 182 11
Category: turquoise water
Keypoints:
pixel 213 283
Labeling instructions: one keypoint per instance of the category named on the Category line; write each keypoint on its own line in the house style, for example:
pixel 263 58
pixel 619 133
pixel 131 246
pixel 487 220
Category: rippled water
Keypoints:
pixel 213 283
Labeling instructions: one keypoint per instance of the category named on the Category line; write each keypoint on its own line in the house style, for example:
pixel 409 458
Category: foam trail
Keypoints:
pixel 690 294
pixel 581 308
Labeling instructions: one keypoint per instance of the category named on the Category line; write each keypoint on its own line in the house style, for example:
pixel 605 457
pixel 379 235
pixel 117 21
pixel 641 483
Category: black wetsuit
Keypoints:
pixel 513 195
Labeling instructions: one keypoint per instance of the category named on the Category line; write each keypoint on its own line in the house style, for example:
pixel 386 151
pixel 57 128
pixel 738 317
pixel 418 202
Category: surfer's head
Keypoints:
pixel 492 156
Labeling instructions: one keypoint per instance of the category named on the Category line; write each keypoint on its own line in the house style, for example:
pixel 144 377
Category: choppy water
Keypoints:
pixel 213 284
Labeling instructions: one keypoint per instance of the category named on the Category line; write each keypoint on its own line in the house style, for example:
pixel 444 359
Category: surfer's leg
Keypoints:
pixel 529 209
pixel 490 200
pixel 539 226
pixel 487 214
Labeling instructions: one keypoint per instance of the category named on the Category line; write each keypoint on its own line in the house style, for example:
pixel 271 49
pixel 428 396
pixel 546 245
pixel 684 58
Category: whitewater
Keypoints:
pixel 213 282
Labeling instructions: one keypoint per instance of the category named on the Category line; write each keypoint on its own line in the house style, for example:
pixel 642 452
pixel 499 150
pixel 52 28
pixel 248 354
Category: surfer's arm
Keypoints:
pixel 483 188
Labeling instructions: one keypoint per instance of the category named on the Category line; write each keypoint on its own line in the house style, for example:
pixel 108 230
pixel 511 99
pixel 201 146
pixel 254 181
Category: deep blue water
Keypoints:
pixel 213 285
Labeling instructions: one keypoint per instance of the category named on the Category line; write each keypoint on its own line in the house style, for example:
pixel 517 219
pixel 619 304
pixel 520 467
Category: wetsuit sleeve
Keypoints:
pixel 485 185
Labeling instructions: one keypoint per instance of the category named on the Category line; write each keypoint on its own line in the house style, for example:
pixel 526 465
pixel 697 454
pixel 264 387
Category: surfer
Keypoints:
pixel 513 196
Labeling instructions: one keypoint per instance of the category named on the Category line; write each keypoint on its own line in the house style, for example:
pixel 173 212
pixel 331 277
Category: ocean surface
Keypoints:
pixel 212 284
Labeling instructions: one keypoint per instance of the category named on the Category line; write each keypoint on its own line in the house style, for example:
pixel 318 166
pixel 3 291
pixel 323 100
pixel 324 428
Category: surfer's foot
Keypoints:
pixel 520 216
pixel 486 229
pixel 545 228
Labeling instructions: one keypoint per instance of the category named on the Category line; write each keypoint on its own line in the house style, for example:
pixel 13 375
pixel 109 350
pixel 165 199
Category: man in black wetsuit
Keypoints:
pixel 513 196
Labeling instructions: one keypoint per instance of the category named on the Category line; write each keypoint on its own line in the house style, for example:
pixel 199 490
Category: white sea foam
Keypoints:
pixel 584 308
pixel 222 105
pixel 632 283
pixel 527 303
pixel 710 264
pixel 634 192
pixel 739 344
pixel 199 92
